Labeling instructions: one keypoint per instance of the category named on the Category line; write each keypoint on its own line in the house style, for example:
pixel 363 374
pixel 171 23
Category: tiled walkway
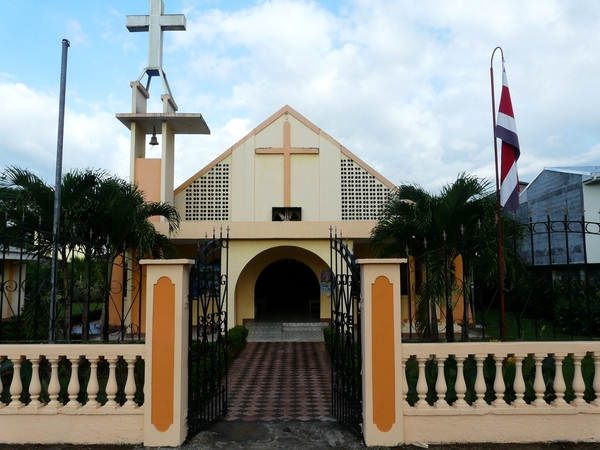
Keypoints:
pixel 280 381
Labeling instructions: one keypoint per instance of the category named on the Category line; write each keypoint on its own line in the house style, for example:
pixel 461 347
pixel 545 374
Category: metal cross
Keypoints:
pixel 155 24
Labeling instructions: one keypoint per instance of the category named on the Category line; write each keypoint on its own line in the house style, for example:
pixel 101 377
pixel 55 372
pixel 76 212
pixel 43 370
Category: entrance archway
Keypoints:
pixel 287 290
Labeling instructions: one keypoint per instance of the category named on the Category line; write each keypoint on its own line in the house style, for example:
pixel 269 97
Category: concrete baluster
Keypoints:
pixel 54 385
pixel 422 384
pixel 539 386
pixel 578 383
pixel 460 386
pixel 2 405
pixel 559 381
pixel 404 381
pixel 596 384
pixel 480 386
pixel 441 386
pixel 93 387
pixel 73 388
pixel 130 384
pixel 111 385
pixel 519 384
pixel 16 386
pixel 35 387
pixel 499 384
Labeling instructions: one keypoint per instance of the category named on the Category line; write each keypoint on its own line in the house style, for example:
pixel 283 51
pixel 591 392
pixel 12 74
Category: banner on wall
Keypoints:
pixel 326 282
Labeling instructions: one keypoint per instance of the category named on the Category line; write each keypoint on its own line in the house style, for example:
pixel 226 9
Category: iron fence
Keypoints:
pixel 98 297
pixel 551 285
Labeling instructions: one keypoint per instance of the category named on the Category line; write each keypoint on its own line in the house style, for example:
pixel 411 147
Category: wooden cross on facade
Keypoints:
pixel 155 24
pixel 287 151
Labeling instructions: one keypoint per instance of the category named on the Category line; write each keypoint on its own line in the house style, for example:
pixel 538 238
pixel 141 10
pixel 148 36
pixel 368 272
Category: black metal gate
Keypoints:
pixel 346 364
pixel 207 401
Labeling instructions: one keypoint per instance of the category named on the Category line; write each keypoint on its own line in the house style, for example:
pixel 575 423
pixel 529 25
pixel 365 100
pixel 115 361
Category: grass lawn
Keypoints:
pixel 529 330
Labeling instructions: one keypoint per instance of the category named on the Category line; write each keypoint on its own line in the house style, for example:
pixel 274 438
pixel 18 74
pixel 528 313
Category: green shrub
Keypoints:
pixel 327 336
pixel 236 341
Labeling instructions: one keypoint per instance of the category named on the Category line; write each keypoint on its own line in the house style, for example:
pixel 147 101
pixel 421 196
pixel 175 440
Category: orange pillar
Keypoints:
pixel 167 323
pixel 382 356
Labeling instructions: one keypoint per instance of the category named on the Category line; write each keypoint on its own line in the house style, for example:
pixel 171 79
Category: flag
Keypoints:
pixel 506 130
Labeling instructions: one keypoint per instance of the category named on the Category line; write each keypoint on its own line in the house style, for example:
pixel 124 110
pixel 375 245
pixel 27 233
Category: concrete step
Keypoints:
pixel 309 326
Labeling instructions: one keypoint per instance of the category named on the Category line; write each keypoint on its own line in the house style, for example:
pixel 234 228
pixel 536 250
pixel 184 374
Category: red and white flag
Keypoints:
pixel 506 130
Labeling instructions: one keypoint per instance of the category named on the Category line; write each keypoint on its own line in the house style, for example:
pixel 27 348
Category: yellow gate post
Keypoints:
pixel 167 324
pixel 382 357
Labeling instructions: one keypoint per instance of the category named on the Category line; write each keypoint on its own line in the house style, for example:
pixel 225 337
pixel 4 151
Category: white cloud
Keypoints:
pixel 29 135
pixel 404 85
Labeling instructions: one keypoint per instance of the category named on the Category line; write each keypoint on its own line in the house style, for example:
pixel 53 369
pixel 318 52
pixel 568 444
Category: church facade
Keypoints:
pixel 280 192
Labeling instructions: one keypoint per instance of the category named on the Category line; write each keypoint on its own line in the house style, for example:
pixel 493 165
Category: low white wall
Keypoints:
pixel 75 423
pixel 501 422
pixel 506 426
pixel 81 427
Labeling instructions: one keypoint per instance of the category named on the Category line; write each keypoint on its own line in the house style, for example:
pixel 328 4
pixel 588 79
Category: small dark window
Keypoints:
pixel 287 214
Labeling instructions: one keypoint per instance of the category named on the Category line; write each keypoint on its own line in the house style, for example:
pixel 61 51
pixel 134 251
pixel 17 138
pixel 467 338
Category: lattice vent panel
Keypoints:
pixel 207 198
pixel 363 195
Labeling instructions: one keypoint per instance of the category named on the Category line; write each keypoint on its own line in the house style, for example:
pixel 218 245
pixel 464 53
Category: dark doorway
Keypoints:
pixel 287 291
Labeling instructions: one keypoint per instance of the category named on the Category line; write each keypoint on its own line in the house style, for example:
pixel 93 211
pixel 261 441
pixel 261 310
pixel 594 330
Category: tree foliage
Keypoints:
pixel 109 214
pixel 434 230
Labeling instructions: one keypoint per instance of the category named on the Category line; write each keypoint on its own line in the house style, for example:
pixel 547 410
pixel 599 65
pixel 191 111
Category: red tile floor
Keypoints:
pixel 280 381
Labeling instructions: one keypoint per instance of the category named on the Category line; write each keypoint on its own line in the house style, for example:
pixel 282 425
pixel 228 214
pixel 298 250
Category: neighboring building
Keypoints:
pixel 12 281
pixel 570 194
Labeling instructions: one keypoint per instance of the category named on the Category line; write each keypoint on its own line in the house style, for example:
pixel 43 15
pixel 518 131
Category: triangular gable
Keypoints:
pixel 337 185
pixel 289 110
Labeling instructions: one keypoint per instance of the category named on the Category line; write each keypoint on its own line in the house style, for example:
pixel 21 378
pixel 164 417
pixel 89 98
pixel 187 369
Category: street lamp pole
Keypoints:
pixel 57 188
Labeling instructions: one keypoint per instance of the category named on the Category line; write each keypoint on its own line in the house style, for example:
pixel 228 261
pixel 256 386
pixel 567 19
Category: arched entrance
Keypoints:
pixel 287 290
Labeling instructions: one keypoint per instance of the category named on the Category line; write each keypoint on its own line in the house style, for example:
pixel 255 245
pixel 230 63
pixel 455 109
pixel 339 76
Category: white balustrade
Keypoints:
pixel 2 405
pixel 54 385
pixel 16 386
pixel 441 386
pixel 93 387
pixel 559 381
pixel 519 383
pixel 539 385
pixel 35 387
pixel 73 388
pixel 596 384
pixel 111 385
pixel 130 384
pixel 461 386
pixel 504 355
pixel 422 384
pixel 499 384
pixel 578 383
pixel 75 355
pixel 404 381
pixel 480 386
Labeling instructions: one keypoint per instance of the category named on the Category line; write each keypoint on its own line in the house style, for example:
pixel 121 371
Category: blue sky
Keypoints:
pixel 403 84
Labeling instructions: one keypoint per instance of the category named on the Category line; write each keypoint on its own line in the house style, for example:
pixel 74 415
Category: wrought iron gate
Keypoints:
pixel 346 364
pixel 207 401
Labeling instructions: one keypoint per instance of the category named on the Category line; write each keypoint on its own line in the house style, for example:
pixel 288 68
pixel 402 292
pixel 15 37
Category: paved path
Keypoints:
pixel 280 381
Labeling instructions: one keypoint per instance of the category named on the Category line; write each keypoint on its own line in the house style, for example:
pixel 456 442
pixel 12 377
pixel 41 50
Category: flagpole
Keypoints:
pixel 498 211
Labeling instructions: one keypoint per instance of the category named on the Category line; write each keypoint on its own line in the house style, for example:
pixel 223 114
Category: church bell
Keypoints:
pixel 153 140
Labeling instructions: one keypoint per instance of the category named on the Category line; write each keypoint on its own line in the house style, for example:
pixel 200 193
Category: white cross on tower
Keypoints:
pixel 155 24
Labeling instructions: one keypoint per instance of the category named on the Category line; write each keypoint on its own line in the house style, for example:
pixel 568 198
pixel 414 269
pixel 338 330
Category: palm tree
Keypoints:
pixel 101 216
pixel 442 227
pixel 107 213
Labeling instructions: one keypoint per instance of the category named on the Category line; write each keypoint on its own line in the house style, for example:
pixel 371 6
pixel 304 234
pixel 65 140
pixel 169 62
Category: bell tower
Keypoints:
pixel 156 176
